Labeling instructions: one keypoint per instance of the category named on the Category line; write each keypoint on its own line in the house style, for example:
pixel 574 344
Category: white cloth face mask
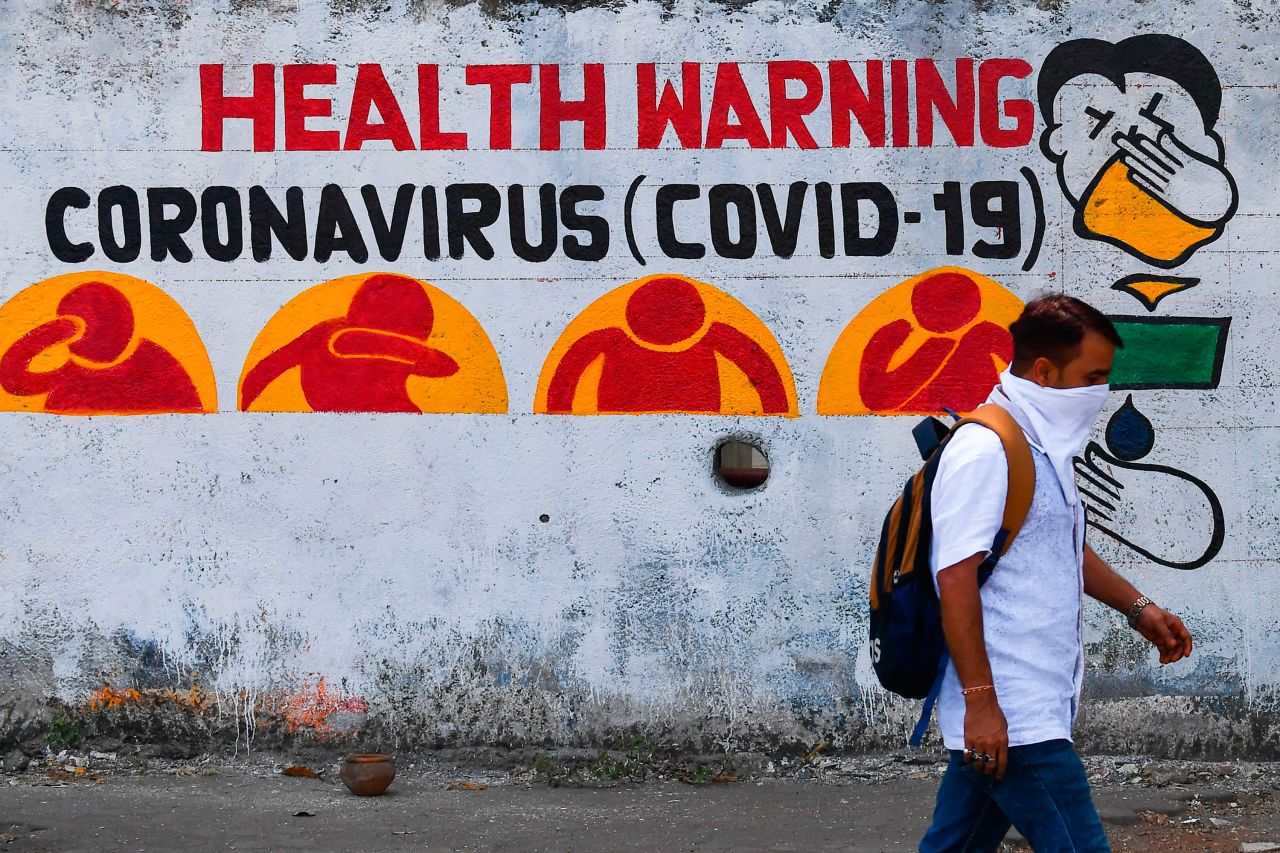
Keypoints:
pixel 1061 417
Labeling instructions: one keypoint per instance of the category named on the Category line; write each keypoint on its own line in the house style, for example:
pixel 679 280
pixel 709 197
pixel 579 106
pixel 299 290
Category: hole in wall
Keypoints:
pixel 741 464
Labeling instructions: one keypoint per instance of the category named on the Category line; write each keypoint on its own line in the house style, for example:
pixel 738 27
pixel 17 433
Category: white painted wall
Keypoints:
pixel 391 553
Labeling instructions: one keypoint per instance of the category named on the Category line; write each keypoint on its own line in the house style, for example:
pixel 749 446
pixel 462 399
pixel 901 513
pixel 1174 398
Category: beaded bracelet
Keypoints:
pixel 965 691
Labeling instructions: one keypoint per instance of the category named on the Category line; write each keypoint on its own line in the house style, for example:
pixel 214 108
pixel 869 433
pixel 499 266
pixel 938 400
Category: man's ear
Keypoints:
pixel 1043 372
pixel 1051 143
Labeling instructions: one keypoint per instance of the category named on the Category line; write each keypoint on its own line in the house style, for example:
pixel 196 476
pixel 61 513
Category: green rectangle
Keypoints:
pixel 1169 352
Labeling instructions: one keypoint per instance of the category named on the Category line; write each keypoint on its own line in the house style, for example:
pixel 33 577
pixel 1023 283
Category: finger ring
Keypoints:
pixel 974 755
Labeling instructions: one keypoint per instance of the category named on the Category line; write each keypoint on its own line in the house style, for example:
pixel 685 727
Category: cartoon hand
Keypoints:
pixel 1166 515
pixel 1193 185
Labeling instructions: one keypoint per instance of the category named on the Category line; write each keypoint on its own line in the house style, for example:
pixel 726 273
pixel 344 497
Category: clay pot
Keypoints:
pixel 368 774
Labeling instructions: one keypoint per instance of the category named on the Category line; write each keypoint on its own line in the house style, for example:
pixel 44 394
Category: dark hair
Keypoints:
pixel 1165 56
pixel 1052 327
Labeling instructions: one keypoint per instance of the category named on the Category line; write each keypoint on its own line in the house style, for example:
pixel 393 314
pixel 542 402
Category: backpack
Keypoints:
pixel 908 649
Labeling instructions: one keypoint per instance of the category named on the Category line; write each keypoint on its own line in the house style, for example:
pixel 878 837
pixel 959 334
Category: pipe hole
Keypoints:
pixel 741 464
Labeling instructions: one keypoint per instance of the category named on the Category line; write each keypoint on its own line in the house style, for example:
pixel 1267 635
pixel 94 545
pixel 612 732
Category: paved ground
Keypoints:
pixel 834 804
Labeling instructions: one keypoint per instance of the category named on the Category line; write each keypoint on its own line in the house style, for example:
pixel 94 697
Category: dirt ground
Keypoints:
pixel 99 802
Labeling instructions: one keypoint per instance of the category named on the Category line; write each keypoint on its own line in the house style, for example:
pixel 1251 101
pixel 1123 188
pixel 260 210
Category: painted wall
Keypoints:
pixel 414 456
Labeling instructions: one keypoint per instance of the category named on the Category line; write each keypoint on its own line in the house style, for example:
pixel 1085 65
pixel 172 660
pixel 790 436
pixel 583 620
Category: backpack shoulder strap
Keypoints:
pixel 1022 468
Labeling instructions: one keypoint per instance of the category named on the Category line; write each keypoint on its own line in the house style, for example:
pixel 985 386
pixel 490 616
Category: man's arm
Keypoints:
pixel 968 497
pixel 985 728
pixel 1165 631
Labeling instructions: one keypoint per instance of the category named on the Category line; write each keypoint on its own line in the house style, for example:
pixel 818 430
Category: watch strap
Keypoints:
pixel 1136 608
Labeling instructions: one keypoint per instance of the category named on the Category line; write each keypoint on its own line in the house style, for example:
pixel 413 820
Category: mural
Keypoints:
pixel 1169 352
pixel 373 343
pixel 1166 515
pixel 1130 127
pixel 666 343
pixel 99 343
pixel 827 226
pixel 939 339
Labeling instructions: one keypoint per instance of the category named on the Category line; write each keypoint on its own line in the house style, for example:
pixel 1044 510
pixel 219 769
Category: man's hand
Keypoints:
pixel 1166 632
pixel 986 732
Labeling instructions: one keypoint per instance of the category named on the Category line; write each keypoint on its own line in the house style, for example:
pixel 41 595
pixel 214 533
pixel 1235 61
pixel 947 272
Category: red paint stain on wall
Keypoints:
pixel 311 707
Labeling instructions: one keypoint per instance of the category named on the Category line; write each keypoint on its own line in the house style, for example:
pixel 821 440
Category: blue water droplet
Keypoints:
pixel 1130 435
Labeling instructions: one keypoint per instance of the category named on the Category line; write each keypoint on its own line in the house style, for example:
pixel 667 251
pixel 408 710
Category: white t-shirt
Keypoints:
pixel 1031 605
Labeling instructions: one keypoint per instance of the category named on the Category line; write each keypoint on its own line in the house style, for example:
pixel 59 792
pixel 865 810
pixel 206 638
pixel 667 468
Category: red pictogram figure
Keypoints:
pixel 96 323
pixel 944 371
pixel 360 362
pixel 635 378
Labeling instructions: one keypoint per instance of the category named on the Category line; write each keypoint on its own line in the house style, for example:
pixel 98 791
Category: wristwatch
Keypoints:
pixel 1135 609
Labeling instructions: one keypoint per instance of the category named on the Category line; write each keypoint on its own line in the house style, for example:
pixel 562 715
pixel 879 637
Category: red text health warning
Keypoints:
pixel 838 104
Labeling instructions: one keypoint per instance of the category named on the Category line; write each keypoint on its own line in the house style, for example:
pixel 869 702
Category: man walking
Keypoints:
pixel 1012 688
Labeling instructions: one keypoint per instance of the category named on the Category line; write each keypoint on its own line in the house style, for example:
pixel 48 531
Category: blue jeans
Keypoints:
pixel 1044 794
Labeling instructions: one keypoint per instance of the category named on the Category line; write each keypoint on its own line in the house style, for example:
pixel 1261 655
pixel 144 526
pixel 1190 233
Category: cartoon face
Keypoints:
pixel 1090 111
pixel 1130 129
